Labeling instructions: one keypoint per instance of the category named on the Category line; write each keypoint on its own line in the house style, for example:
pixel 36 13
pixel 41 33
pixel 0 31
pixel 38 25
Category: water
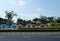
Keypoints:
pixel 29 36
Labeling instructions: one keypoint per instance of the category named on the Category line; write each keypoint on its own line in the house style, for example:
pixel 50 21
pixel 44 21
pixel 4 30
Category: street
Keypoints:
pixel 29 36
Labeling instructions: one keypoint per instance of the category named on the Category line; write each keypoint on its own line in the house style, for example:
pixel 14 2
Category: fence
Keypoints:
pixel 16 27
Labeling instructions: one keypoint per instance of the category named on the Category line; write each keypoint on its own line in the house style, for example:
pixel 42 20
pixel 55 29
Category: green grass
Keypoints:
pixel 45 28
pixel 41 28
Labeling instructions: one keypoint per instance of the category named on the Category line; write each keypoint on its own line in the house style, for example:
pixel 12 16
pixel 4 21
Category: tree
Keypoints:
pixel 35 19
pixel 50 19
pixel 29 21
pixel 58 20
pixel 19 21
pixel 1 21
pixel 43 19
pixel 10 14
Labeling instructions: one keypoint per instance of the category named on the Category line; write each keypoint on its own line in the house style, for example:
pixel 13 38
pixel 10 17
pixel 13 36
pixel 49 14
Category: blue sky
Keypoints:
pixel 29 9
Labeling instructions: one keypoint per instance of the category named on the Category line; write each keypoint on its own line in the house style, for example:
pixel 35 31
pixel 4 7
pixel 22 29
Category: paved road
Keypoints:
pixel 29 36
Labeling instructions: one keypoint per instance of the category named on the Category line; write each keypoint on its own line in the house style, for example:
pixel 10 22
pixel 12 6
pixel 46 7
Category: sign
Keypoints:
pixel 3 26
pixel 20 26
pixel 14 26
pixel 33 26
pixel 28 26
pixel 42 25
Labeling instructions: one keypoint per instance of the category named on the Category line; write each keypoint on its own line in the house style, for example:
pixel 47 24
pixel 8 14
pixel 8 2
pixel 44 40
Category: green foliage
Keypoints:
pixel 58 20
pixel 2 21
pixel 19 21
pixel 10 14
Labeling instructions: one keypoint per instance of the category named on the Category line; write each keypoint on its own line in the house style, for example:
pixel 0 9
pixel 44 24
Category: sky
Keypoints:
pixel 30 9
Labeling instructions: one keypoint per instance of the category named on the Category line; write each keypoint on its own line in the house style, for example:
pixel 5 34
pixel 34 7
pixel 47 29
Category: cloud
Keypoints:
pixel 39 9
pixel 13 1
pixel 21 2
pixel 18 2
